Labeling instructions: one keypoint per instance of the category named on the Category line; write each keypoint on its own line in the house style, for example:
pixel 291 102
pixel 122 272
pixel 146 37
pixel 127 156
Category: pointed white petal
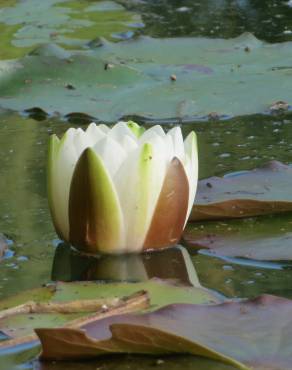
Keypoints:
pixel 62 167
pixel 119 130
pixel 111 152
pixel 191 167
pixel 139 182
pixel 128 144
pixel 104 128
pixel 178 143
pixel 81 141
pixel 169 147
pixel 153 131
pixel 95 133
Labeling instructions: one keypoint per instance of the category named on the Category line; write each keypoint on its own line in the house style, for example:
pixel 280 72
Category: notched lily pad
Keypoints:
pixel 264 190
pixel 211 75
pixel 255 333
pixel 264 238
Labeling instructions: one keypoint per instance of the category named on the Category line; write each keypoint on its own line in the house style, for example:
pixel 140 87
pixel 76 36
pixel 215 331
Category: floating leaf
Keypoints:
pixel 256 333
pixel 160 293
pixel 134 362
pixel 28 23
pixel 43 294
pixel 208 73
pixel 260 191
pixel 264 238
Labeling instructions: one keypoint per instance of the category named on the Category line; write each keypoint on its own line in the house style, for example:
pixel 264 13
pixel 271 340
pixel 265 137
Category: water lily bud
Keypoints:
pixel 123 189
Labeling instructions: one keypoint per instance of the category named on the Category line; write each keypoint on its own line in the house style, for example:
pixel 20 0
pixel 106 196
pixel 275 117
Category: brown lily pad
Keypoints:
pixel 266 238
pixel 264 190
pixel 255 333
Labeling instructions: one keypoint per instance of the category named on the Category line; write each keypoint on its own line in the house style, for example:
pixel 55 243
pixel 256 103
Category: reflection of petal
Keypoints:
pixel 71 265
pixel 94 210
pixel 122 268
pixel 171 209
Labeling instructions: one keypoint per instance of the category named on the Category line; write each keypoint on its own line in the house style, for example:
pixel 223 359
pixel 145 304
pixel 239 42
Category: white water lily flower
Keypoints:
pixel 122 189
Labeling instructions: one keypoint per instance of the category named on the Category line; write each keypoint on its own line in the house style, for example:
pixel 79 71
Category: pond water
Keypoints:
pixel 239 143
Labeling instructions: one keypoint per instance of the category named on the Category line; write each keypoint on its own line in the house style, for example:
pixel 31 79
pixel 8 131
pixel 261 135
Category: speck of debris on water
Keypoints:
pixel 70 87
pixel 108 66
pixel 279 106
pixel 104 308
pixel 173 77
pixel 247 49
pixel 159 362
pixel 213 116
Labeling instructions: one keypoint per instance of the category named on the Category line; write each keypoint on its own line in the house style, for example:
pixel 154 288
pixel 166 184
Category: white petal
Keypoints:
pixel 128 144
pixel 104 128
pixel 191 167
pixel 178 143
pixel 63 168
pixel 81 141
pixel 138 183
pixel 95 133
pixel 119 130
pixel 169 147
pixel 156 130
pixel 111 152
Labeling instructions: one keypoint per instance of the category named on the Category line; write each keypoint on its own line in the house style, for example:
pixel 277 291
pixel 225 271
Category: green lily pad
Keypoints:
pixel 43 294
pixel 260 191
pixel 161 293
pixel 134 78
pixel 26 24
pixel 23 324
pixel 265 238
pixel 255 333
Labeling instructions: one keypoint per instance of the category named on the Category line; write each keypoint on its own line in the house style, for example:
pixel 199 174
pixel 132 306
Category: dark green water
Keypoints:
pixel 224 146
pixel 268 20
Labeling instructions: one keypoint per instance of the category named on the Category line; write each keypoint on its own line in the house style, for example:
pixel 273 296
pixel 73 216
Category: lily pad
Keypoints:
pixel 29 23
pixel 211 75
pixel 263 238
pixel 260 191
pixel 136 362
pixel 161 293
pixel 255 333
pixel 43 294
